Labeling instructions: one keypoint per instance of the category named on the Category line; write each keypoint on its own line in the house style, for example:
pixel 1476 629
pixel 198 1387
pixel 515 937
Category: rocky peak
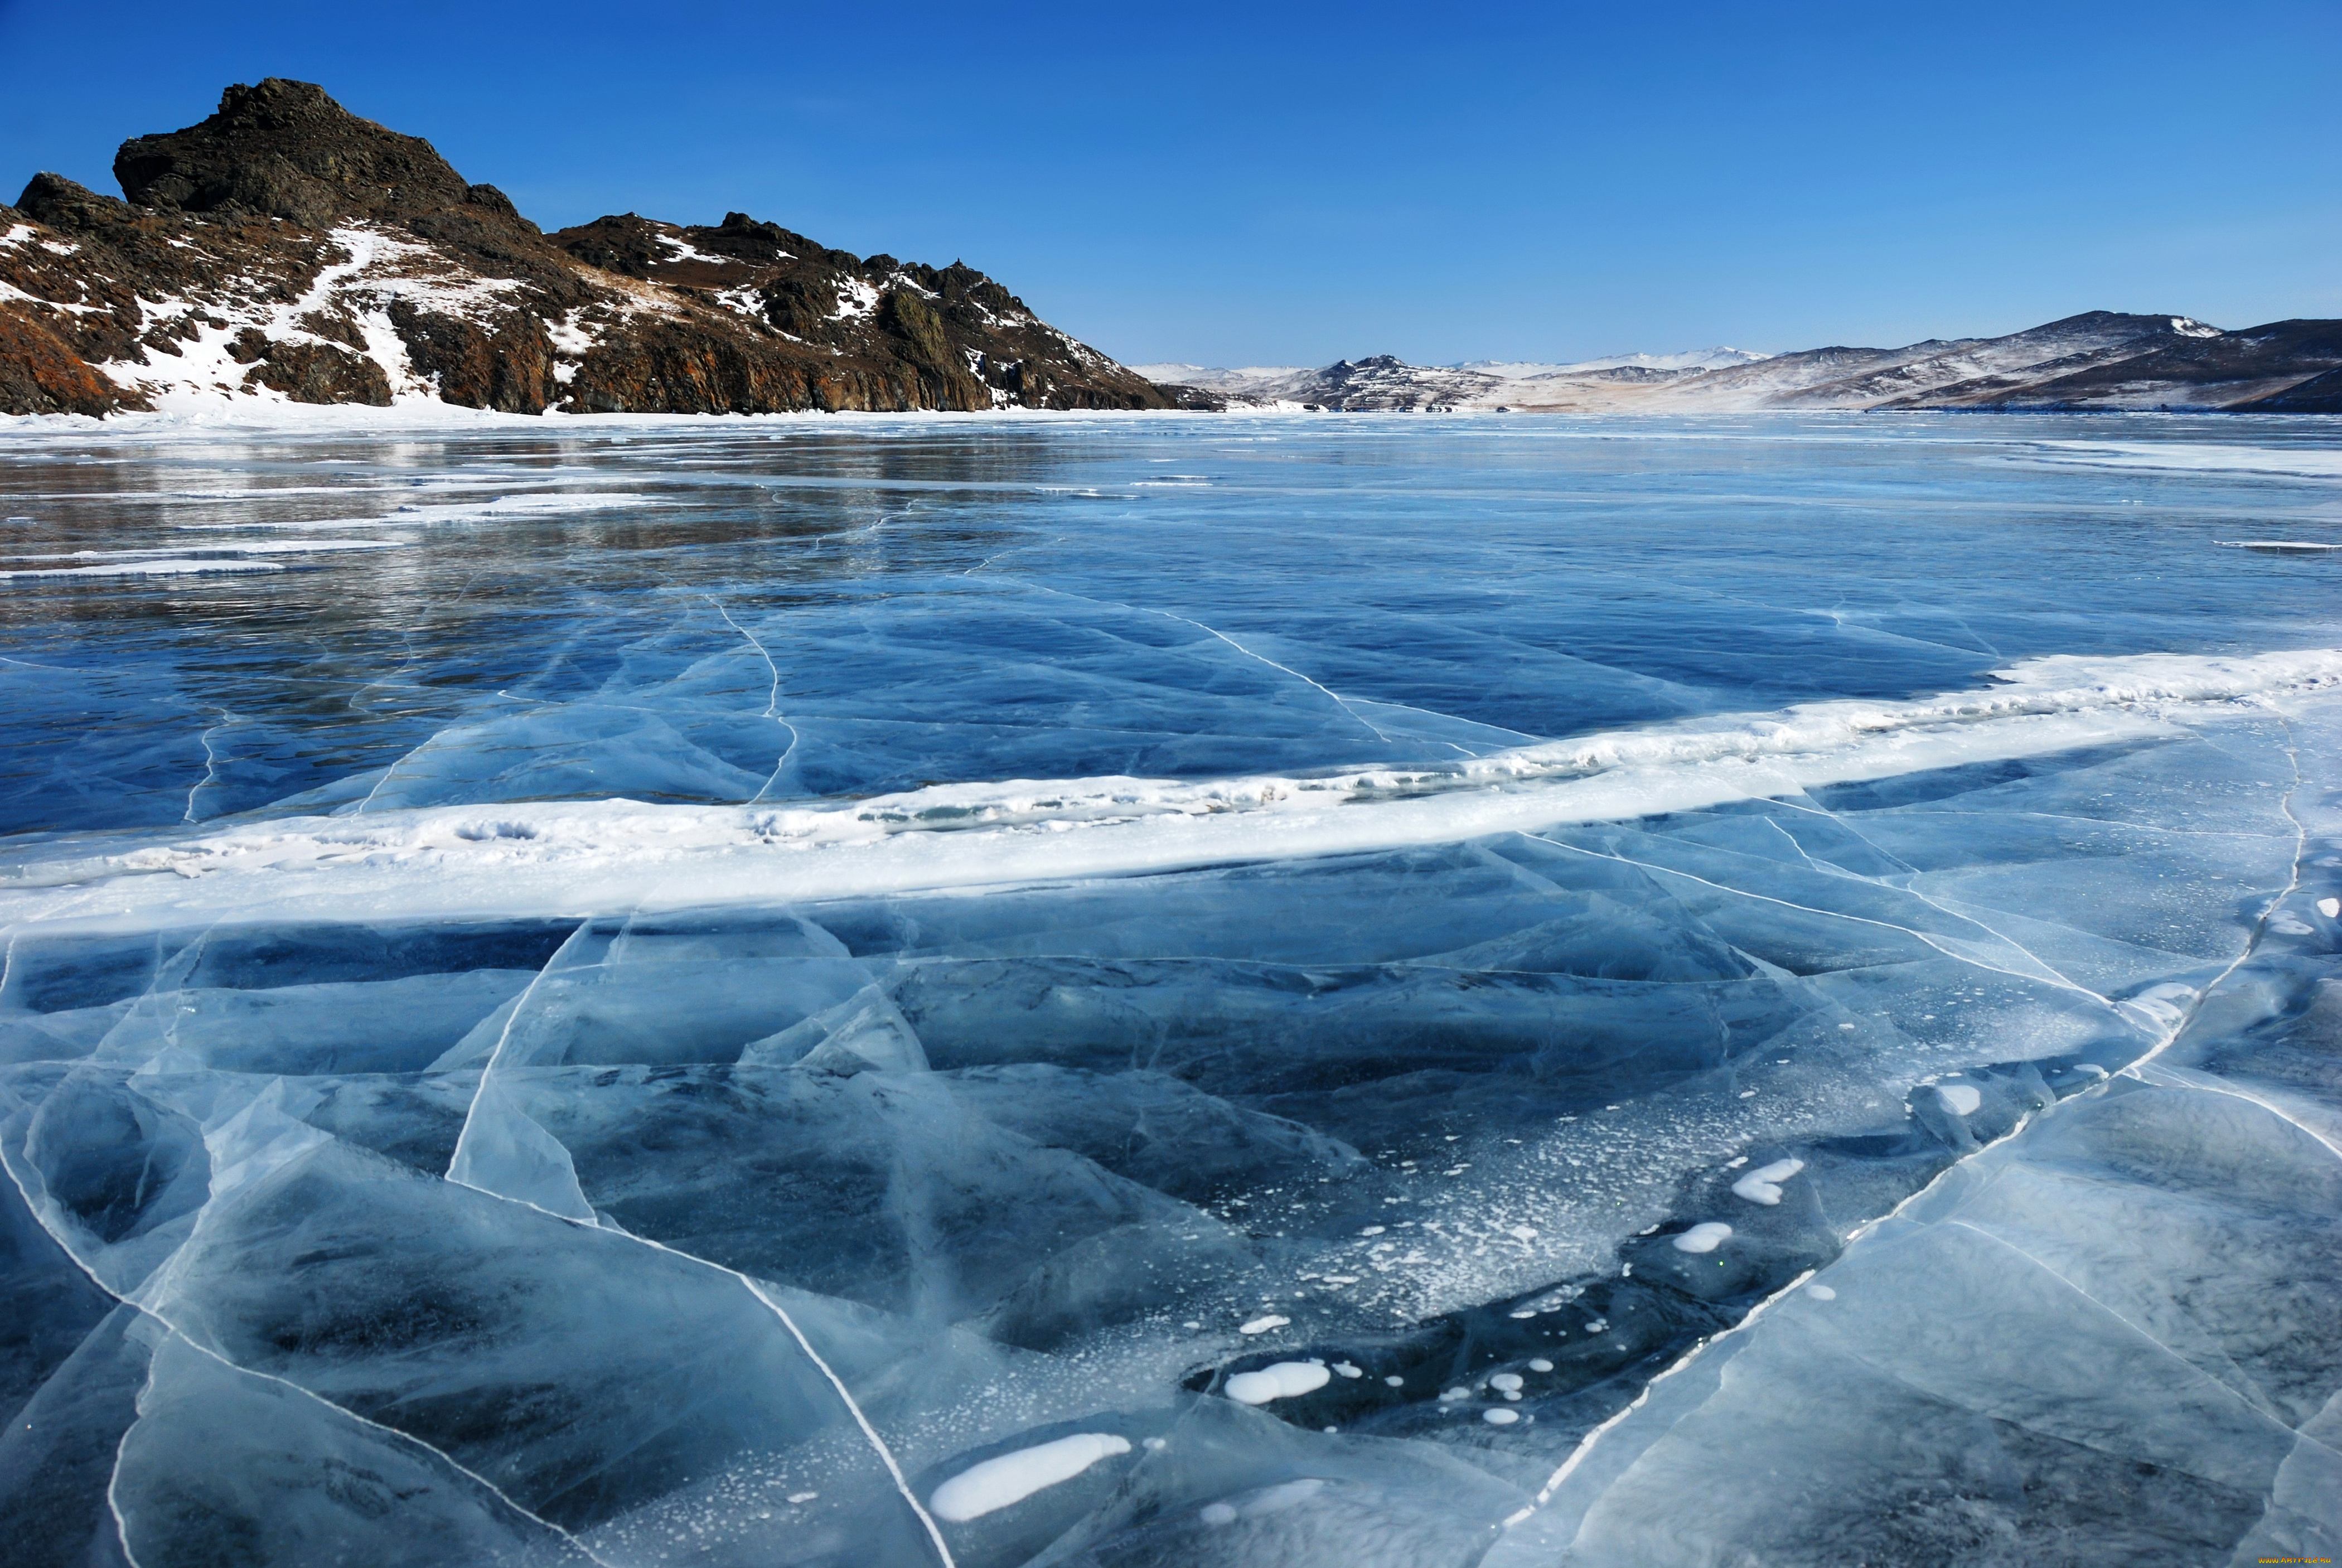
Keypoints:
pixel 286 150
pixel 61 204
pixel 745 238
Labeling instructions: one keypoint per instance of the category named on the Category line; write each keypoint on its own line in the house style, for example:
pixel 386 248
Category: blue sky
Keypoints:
pixel 1248 184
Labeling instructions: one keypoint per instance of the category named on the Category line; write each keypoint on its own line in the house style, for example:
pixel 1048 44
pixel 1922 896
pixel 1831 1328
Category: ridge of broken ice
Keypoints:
pixel 542 857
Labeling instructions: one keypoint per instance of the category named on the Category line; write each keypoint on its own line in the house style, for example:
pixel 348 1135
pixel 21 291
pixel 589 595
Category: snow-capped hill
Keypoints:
pixel 2100 359
pixel 1386 382
pixel 1380 381
pixel 1695 359
pixel 1925 369
pixel 286 249
pixel 1211 379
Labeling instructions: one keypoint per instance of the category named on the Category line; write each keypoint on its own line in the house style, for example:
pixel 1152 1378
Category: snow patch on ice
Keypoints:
pixel 1011 1478
pixel 1704 1237
pixel 1284 1380
pixel 1763 1185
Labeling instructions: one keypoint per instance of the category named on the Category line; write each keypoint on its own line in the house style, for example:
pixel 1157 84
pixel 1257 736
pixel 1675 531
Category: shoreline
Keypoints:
pixel 432 415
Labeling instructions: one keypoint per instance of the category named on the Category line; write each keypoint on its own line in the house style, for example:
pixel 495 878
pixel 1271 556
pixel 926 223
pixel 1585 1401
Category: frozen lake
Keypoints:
pixel 1173 990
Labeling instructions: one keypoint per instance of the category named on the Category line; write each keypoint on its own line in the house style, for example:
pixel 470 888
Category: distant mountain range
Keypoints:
pixel 286 249
pixel 2101 359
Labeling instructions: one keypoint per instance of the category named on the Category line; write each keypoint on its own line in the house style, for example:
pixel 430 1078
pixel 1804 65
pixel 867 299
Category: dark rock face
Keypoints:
pixel 285 150
pixel 39 375
pixel 58 201
pixel 319 373
pixel 503 362
pixel 286 244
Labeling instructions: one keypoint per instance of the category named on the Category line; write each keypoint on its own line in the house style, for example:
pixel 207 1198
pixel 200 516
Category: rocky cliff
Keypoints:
pixel 287 249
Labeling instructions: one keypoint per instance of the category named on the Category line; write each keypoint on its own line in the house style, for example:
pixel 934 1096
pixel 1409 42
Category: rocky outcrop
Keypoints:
pixel 311 372
pixel 1379 383
pixel 39 375
pixel 286 247
pixel 871 332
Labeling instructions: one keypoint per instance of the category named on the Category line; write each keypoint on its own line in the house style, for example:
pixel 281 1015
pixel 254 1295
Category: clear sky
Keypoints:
pixel 1291 184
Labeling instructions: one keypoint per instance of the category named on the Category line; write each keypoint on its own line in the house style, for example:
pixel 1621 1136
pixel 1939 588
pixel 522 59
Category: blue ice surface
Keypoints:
pixel 435 1133
pixel 655 613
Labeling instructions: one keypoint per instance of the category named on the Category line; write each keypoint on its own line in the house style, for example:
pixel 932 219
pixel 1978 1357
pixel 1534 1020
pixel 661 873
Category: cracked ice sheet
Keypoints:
pixel 1026 1137
pixel 2138 1285
pixel 1001 1138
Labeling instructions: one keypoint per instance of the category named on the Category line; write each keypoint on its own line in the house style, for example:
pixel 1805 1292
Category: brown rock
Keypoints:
pixel 39 375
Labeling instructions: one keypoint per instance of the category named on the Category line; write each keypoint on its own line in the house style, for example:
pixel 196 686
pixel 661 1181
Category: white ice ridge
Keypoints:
pixel 173 566
pixel 157 562
pixel 554 859
pixel 1010 1478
